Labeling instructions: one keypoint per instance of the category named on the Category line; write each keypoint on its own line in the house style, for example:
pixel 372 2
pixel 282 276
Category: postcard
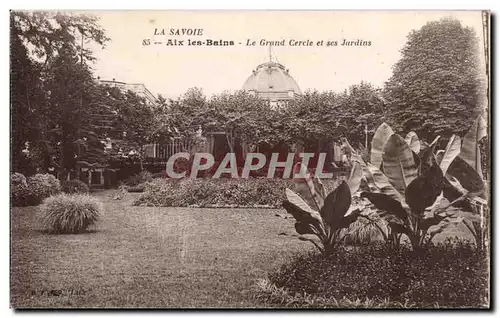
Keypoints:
pixel 250 159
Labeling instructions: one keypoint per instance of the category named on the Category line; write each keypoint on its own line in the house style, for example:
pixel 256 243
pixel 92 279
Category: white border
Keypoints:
pixel 198 5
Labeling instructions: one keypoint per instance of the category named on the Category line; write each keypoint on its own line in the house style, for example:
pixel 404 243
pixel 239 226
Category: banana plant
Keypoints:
pixel 320 217
pixel 406 187
pixel 463 175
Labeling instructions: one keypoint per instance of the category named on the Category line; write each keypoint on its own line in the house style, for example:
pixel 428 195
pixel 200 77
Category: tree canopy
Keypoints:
pixel 437 84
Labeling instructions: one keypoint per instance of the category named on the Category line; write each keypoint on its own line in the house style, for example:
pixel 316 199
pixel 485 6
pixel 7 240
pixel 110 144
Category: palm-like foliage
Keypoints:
pixel 406 186
pixel 463 176
pixel 318 214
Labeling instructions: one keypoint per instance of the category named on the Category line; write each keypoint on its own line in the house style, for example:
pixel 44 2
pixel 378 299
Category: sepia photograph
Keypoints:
pixel 214 159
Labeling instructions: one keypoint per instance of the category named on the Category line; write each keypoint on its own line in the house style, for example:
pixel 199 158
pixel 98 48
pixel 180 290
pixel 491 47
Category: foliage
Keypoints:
pixel 408 193
pixel 419 193
pixel 51 85
pixel 269 293
pixel 70 213
pixel 463 175
pixel 41 186
pixel 323 216
pixel 17 179
pixel 310 118
pixel 74 186
pixel 214 192
pixel 18 190
pixel 437 85
pixel 452 274
pixel 360 107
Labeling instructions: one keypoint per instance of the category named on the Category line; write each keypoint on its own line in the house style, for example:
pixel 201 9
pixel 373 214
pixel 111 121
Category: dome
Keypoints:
pixel 272 80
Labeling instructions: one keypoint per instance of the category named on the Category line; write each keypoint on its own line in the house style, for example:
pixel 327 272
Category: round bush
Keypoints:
pixel 70 213
pixel 74 186
pixel 42 186
pixel 18 190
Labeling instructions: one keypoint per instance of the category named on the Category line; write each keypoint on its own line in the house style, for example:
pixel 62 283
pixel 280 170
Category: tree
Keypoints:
pixel 65 84
pixel 436 86
pixel 311 118
pixel 137 121
pixel 27 100
pixel 360 107
pixel 51 83
pixel 243 116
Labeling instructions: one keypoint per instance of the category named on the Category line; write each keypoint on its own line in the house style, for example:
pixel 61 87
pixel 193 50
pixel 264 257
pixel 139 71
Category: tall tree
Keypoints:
pixel 27 101
pixel 50 77
pixel 437 84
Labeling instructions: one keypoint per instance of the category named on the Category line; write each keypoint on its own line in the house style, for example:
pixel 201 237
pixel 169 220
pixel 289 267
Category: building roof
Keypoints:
pixel 271 77
pixel 137 88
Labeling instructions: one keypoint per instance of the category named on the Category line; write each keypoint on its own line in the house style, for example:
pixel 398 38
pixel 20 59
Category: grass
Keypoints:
pixel 150 257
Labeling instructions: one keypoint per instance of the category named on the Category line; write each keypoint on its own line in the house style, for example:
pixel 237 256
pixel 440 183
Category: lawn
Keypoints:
pixel 149 257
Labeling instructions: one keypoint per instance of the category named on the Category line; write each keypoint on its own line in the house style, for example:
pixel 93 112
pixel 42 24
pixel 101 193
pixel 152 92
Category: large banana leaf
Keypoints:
pixel 452 190
pixel 300 215
pixel 310 188
pixel 452 150
pixel 367 176
pixel 347 220
pixel 470 152
pixel 398 162
pixel 440 227
pixel 382 182
pixel 355 177
pixel 381 135
pixel 466 175
pixel 473 217
pixel 386 203
pixel 336 205
pixel 412 141
pixel 295 199
pixel 422 192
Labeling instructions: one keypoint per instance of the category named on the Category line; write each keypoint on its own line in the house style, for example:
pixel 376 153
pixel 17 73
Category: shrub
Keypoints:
pixel 70 213
pixel 18 190
pixel 34 190
pixel 18 178
pixel 447 275
pixel 74 186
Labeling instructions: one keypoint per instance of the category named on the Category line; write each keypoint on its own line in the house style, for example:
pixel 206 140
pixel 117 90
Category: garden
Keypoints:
pixel 404 223
pixel 410 233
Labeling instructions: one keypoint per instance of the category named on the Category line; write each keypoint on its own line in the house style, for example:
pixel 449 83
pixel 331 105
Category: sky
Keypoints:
pixel 171 70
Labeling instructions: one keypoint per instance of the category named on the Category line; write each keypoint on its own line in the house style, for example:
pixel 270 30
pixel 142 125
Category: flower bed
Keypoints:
pixel 253 192
pixel 447 275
